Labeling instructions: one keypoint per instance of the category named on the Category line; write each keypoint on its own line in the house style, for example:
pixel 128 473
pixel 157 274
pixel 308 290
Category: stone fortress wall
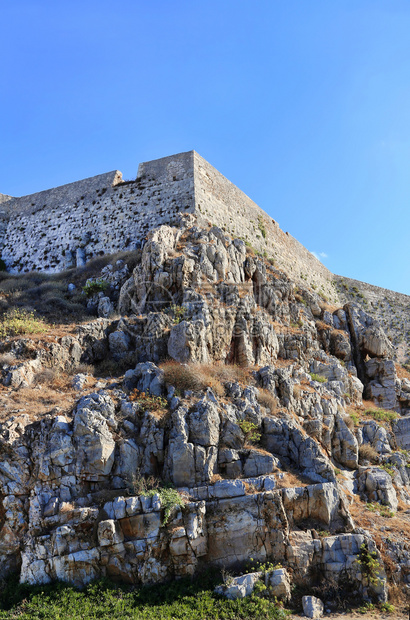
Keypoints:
pixel 220 202
pixel 65 226
pixel 68 225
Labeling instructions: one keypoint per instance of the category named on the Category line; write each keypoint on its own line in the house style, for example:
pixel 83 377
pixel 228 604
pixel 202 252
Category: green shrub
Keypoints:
pixel 19 321
pixel 318 378
pixel 170 499
pixel 92 287
pixel 369 564
pixel 177 313
pixel 250 431
pixel 148 401
pixel 388 469
pixel 261 226
pixel 381 415
pixel 185 599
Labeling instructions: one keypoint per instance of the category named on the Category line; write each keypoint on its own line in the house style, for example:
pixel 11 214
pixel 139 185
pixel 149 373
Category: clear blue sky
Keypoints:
pixel 305 105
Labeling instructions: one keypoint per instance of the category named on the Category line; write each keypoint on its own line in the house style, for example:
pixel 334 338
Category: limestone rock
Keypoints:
pixel 239 587
pixel 92 435
pixel 146 377
pixel 105 307
pixel 119 344
pixel 377 485
pixel 312 607
pixel 278 582
pixel 344 444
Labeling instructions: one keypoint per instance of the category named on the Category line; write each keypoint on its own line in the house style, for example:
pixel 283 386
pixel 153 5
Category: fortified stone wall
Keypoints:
pixel 68 225
pixel 220 202
pixel 65 226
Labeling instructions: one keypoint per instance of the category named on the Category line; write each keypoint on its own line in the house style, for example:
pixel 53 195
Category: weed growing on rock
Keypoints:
pixel 177 313
pixel 381 415
pixel 92 287
pixel 369 564
pixel 250 431
pixel 19 321
pixel 383 511
pixel 170 499
pixel 148 401
pixel 318 378
pixel 389 469
pixel 261 226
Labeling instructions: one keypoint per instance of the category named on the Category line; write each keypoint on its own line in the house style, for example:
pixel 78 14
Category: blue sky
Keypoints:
pixel 305 105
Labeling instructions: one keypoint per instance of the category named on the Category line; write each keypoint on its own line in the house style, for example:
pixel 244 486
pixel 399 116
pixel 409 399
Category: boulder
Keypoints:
pixel 239 587
pixel 278 582
pixel 312 607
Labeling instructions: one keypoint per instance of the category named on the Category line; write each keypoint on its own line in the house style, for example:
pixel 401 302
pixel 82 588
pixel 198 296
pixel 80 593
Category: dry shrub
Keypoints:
pixel 7 359
pixel 266 399
pixel 54 378
pixel 215 478
pixel 250 489
pixel 402 372
pixel 368 453
pixel 297 391
pixel 234 373
pixel 66 507
pixel 349 422
pixel 193 377
pixel 292 479
pixel 46 376
pixel 84 369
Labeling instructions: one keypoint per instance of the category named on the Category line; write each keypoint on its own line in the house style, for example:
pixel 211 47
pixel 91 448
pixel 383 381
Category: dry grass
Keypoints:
pixel 349 422
pixel 402 372
pixel 53 390
pixel 215 478
pixel 267 400
pixel 48 294
pixel 322 326
pixel 7 359
pixel 368 453
pixel 250 489
pixel 291 480
pixel 196 377
pixel 66 507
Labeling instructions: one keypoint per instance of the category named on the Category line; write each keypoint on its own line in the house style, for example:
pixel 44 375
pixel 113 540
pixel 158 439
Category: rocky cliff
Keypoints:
pixel 235 428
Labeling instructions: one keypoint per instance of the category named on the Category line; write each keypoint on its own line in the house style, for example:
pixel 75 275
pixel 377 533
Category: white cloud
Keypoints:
pixel 319 255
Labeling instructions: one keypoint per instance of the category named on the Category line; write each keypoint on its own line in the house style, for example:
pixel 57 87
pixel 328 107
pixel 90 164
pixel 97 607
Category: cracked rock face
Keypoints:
pixel 261 449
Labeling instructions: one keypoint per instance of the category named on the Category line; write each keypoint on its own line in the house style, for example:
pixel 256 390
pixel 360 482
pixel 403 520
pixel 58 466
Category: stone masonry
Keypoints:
pixel 68 225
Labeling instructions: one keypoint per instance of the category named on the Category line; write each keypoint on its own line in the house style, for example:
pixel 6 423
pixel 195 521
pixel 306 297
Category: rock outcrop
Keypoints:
pixel 235 431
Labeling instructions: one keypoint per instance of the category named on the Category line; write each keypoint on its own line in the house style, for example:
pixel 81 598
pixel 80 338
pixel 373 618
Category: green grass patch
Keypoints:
pixel 183 599
pixel 261 226
pixel 92 287
pixel 381 415
pixel 318 378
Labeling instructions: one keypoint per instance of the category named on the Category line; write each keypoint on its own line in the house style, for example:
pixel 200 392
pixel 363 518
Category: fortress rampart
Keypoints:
pixel 68 225
pixel 62 227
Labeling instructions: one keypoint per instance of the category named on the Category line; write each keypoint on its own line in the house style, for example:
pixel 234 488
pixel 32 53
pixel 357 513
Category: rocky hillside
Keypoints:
pixel 214 413
pixel 391 309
